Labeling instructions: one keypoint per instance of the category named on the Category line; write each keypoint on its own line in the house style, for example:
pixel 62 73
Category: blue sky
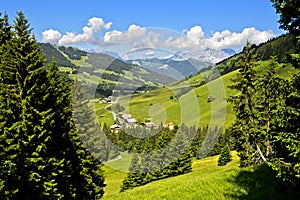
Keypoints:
pixel 115 17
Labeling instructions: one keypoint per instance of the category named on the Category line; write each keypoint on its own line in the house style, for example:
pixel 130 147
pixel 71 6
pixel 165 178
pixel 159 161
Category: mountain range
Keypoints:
pixel 107 74
pixel 180 64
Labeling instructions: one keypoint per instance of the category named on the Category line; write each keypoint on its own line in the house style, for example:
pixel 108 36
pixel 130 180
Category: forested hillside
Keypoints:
pixel 109 76
pixel 281 47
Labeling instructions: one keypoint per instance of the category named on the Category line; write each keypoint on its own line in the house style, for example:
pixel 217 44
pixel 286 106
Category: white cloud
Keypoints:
pixel 131 36
pixel 227 39
pixel 194 42
pixel 194 39
pixel 88 35
pixel 195 33
pixel 51 36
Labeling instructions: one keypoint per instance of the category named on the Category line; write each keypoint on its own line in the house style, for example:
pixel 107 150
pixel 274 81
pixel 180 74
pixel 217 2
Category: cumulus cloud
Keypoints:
pixel 195 34
pixel 51 36
pixel 227 39
pixel 88 36
pixel 193 41
pixel 131 36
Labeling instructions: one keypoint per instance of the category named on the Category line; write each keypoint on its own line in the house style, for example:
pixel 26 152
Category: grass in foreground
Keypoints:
pixel 207 181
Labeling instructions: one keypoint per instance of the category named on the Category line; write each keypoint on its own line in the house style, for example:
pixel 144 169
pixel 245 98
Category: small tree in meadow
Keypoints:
pixel 225 156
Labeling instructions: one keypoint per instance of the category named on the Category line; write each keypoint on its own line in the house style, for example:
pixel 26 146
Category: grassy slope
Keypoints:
pixel 158 105
pixel 193 106
pixel 103 116
pixel 206 181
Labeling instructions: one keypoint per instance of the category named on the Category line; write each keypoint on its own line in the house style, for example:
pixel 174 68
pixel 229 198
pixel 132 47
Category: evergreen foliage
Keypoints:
pixel 270 95
pixel 225 156
pixel 168 158
pixel 280 47
pixel 289 14
pixel 286 139
pixel 243 129
pixel 72 53
pixel 267 114
pixel 42 156
pixel 88 127
pixel 50 52
pixel 167 153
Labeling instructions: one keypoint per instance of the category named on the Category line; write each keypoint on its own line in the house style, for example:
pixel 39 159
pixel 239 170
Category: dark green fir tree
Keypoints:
pixel 286 140
pixel 43 155
pixel 244 127
pixel 225 156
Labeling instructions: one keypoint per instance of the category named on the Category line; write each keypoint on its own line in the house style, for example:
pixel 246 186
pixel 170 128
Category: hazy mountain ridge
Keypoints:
pixel 183 64
pixel 175 69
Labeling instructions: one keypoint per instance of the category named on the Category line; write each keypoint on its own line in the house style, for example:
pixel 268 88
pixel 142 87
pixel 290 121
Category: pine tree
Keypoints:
pixel 160 158
pixel 43 155
pixel 86 124
pixel 134 175
pixel 243 129
pixel 270 96
pixel 9 111
pixel 225 156
pixel 286 140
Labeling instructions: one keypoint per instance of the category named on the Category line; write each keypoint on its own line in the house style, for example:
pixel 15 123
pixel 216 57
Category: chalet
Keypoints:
pixel 115 128
pixel 170 126
pixel 105 100
pixel 149 125
pixel 131 120
pixel 125 116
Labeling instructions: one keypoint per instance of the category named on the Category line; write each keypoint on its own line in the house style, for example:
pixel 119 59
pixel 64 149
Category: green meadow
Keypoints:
pixel 206 181
pixel 191 108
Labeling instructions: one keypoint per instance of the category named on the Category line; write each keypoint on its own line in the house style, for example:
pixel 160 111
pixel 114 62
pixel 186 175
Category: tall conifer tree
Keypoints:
pixel 44 157
pixel 244 107
pixel 287 138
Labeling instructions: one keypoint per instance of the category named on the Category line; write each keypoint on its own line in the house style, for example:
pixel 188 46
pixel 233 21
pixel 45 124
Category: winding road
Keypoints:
pixel 112 112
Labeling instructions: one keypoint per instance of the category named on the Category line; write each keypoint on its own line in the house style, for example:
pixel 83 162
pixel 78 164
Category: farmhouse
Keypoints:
pixel 149 125
pixel 105 100
pixel 170 126
pixel 125 116
pixel 131 120
pixel 115 128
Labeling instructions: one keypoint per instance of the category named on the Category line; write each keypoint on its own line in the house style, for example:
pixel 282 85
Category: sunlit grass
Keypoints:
pixel 206 181
pixel 102 115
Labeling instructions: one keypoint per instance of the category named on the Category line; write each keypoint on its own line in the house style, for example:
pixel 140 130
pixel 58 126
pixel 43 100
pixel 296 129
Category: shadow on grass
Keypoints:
pixel 260 182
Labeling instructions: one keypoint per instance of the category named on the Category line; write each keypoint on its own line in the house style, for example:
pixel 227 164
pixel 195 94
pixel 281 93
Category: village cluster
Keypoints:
pixel 126 120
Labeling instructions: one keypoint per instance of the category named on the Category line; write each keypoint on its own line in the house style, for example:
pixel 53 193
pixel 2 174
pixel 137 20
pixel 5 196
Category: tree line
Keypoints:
pixel 160 153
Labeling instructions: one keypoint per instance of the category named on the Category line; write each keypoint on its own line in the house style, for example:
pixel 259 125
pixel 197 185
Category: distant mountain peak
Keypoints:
pixel 113 54
pixel 88 50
